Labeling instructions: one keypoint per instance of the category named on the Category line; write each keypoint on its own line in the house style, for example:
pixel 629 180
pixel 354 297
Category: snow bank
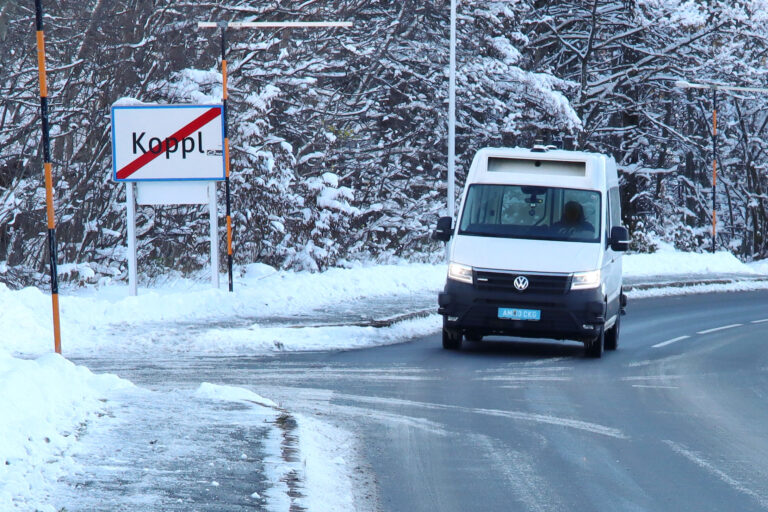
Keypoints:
pixel 91 316
pixel 761 267
pixel 668 261
pixel 329 475
pixel 99 319
pixel 43 404
pixel 288 339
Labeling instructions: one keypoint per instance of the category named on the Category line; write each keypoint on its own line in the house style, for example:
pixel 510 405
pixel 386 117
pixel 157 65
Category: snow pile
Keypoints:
pixel 43 404
pixel 669 262
pixel 761 267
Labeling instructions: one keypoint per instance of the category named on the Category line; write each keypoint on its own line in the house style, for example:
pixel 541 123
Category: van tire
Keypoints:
pixel 452 338
pixel 594 349
pixel 612 335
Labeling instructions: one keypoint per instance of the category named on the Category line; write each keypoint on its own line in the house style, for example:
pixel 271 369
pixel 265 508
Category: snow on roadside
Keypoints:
pixel 737 286
pixel 232 394
pixel 261 292
pixel 761 266
pixel 289 339
pixel 329 479
pixel 104 319
pixel 43 404
pixel 668 261
pixel 322 471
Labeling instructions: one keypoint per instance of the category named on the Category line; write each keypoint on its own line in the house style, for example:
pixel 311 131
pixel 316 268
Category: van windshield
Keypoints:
pixel 539 213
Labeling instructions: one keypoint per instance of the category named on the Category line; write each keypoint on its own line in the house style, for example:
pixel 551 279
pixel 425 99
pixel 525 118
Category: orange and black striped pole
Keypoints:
pixel 48 175
pixel 714 170
pixel 224 96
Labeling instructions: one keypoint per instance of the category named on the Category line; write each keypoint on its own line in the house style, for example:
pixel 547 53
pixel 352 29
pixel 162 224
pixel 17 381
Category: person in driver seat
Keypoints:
pixel 573 219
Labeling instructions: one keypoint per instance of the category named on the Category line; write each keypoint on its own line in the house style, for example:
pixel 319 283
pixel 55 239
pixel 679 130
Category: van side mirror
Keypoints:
pixel 444 230
pixel 619 240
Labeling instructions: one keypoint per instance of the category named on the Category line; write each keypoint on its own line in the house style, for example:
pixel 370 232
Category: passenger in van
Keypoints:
pixel 573 219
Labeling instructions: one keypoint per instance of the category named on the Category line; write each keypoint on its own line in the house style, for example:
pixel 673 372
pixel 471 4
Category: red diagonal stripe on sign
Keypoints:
pixel 186 131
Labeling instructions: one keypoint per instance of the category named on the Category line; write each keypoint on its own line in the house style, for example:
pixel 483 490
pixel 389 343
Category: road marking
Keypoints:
pixel 707 331
pixel 760 321
pixel 669 342
pixel 649 386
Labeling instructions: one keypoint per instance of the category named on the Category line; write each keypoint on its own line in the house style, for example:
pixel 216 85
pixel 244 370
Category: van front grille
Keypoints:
pixel 537 283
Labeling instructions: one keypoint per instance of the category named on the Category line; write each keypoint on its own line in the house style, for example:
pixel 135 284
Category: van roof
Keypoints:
pixel 522 166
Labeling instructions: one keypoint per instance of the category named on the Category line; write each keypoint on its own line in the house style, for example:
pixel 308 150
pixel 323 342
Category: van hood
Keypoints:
pixel 526 255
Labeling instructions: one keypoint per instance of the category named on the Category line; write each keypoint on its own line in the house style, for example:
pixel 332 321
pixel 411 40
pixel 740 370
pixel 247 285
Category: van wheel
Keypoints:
pixel 451 338
pixel 594 349
pixel 612 335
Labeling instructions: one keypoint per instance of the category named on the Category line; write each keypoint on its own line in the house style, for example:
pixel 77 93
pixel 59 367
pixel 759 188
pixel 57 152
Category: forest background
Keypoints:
pixel 339 136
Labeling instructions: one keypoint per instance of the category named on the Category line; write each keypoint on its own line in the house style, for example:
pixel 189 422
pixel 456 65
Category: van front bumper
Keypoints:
pixel 577 315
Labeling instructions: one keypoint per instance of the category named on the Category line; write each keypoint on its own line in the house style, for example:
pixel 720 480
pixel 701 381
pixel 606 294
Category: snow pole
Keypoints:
pixel 48 175
pixel 714 170
pixel 224 96
pixel 223 25
pixel 684 84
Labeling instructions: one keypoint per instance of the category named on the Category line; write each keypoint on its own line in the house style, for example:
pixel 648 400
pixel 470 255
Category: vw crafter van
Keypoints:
pixel 536 250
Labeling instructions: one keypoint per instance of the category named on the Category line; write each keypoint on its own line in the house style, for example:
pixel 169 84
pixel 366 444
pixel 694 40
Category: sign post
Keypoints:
pixel 168 155
pixel 224 95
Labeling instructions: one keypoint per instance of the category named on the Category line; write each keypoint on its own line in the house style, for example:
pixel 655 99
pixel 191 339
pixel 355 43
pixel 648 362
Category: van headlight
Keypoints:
pixel 459 272
pixel 585 280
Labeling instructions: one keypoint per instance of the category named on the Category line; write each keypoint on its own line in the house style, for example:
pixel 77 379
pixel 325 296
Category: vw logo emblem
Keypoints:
pixel 521 283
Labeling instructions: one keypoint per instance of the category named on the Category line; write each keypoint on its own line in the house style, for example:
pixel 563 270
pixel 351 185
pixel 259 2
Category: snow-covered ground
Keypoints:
pixel 275 310
pixel 46 401
pixel 667 261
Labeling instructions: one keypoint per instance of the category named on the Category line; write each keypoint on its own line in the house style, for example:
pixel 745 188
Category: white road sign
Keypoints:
pixel 167 142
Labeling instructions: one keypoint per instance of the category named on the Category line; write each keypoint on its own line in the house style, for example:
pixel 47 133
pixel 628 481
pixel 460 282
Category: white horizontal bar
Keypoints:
pixel 688 85
pixel 669 342
pixel 760 321
pixel 277 24
pixel 707 331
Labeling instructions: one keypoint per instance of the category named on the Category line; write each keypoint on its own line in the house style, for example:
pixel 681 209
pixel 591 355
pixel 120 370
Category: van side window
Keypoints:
pixel 614 203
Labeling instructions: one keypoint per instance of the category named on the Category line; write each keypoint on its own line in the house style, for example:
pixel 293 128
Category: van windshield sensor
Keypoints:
pixel 538 213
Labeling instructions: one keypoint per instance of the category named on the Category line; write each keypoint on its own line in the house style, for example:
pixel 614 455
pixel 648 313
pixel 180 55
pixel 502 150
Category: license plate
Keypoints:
pixel 533 315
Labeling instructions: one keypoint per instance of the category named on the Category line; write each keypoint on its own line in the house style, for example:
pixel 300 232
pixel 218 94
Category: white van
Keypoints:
pixel 536 249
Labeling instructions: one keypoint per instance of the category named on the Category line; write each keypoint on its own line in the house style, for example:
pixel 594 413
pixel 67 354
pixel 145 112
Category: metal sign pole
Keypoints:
pixel 214 226
pixel 223 25
pixel 52 253
pixel 130 206
pixel 450 203
pixel 452 114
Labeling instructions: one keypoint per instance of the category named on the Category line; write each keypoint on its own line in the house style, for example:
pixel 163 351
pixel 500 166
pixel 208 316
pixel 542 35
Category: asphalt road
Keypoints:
pixel 676 419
